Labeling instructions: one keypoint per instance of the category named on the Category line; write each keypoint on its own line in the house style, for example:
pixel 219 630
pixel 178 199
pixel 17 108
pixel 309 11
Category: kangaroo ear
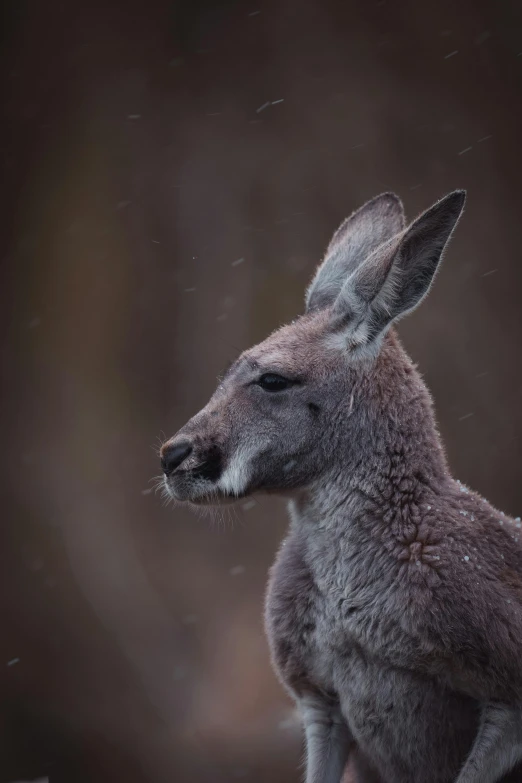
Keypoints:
pixel 397 275
pixel 357 237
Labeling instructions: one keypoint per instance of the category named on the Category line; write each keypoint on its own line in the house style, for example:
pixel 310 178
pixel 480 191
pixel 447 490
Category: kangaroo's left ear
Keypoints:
pixel 397 275
pixel 357 237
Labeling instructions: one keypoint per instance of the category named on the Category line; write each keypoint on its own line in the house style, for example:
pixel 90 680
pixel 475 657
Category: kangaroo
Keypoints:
pixel 394 607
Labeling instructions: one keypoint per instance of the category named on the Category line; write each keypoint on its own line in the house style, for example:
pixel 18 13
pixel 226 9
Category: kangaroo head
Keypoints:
pixel 287 406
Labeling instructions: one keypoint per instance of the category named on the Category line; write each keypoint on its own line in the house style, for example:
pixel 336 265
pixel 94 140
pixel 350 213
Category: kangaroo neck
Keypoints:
pixel 388 468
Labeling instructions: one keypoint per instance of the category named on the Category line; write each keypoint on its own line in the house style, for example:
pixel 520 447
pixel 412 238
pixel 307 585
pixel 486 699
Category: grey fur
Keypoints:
pixel 394 607
pixel 396 276
pixel 355 239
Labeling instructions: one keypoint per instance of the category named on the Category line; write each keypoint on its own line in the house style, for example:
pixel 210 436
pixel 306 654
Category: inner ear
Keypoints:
pixel 356 238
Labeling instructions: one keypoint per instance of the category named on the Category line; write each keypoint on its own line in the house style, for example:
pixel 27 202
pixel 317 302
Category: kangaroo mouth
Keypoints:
pixel 195 488
pixel 210 468
pixel 200 479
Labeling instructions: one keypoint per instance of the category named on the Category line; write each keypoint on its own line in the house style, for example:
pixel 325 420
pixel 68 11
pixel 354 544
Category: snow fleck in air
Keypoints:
pixel 466 149
pixel 451 54
pixel 189 290
pixel 484 138
pixel 179 672
pixel 491 272
pixel 122 204
pixel 34 323
pixel 254 13
pixel 190 619
pixel 13 661
pixel 466 558
pixel 155 241
pixel 237 570
pixel 133 116
pixel 240 772
pixel 480 39
pixel 509 600
pixel 279 100
pixel 429 508
pixel 248 505
pixel 263 107
pixel 237 262
pixel 146 491
pixel 222 317
pixel 288 723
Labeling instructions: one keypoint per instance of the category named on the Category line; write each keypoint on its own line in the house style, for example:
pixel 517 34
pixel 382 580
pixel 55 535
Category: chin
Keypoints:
pixel 198 493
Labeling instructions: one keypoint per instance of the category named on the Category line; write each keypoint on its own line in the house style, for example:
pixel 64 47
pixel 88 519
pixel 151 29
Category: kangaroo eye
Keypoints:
pixel 273 383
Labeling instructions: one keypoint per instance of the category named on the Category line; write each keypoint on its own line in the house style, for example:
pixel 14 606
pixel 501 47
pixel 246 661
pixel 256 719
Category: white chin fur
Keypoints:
pixel 234 480
pixel 209 495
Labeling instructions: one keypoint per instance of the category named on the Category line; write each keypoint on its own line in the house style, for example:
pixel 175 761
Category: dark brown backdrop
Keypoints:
pixel 147 147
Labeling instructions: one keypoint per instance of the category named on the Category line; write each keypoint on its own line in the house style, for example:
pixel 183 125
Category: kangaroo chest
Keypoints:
pixel 317 639
pixel 308 622
pixel 313 623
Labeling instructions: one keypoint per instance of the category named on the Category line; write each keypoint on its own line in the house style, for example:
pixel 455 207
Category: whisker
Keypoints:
pixel 160 440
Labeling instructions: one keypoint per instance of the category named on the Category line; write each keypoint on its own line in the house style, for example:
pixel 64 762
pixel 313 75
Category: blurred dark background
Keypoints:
pixel 171 175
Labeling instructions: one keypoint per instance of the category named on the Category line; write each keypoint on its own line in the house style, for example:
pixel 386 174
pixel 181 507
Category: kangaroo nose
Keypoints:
pixel 172 456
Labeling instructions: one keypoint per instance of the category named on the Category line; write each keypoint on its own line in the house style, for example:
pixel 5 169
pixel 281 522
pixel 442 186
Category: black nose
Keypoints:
pixel 172 456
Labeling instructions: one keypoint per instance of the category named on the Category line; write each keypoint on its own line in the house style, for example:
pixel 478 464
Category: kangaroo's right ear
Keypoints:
pixel 396 277
pixel 355 239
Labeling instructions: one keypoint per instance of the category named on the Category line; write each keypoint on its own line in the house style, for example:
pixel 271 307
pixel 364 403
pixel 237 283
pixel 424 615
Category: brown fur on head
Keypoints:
pixel 284 406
